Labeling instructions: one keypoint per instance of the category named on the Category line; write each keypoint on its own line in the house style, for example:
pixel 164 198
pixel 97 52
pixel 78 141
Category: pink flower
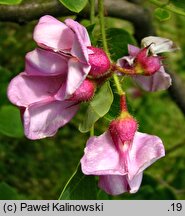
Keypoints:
pixel 120 169
pixel 39 92
pixel 120 155
pixel 69 39
pixel 55 80
pixel 41 112
pixel 149 71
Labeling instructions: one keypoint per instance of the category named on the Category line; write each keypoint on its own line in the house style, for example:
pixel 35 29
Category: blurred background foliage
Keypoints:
pixel 40 169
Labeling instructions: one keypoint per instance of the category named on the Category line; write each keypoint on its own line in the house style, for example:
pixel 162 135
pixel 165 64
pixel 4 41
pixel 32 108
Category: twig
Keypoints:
pixel 33 9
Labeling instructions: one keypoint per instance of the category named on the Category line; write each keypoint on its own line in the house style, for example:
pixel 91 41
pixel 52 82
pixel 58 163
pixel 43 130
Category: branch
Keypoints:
pixel 32 10
pixel 177 91
pixel 135 1
pixel 175 147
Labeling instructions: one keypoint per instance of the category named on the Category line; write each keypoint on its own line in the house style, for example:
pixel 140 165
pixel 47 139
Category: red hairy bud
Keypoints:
pixel 123 128
pixel 85 92
pixel 99 62
pixel 147 65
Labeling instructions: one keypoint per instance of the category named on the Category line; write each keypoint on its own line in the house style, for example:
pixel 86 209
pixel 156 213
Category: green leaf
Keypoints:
pixel 118 40
pixel 114 111
pixel 10 121
pixel 176 6
pixel 97 108
pixel 73 5
pixel 162 14
pixel 10 2
pixel 7 192
pixel 90 29
pixel 80 187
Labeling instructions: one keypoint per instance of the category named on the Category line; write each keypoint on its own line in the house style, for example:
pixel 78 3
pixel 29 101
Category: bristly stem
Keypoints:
pixel 122 70
pixel 118 85
pixel 92 11
pixel 104 41
pixel 102 26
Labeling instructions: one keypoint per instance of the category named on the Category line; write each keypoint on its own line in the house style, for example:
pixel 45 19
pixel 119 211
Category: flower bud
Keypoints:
pixel 85 92
pixel 147 65
pixel 123 128
pixel 99 62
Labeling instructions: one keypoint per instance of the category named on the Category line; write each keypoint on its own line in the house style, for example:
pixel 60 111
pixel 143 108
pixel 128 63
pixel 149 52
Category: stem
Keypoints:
pixel 102 26
pixel 104 39
pixel 124 71
pixel 92 131
pixel 118 85
pixel 60 197
pixel 123 103
pixel 92 11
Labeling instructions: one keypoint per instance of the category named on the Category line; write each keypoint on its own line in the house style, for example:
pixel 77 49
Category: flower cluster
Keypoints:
pixel 55 79
pixel 63 72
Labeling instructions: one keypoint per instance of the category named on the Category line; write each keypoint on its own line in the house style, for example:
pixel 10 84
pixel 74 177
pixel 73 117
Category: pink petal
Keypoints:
pixel 145 150
pixel 133 50
pixel 43 119
pixel 116 184
pixel 156 82
pixel 51 33
pixel 24 90
pixel 126 62
pixel 101 157
pixel 81 40
pixel 77 73
pixel 41 62
pixel 135 183
pixel 61 94
pixel 113 184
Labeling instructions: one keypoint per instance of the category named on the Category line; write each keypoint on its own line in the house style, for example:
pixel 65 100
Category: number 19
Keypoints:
pixel 176 206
